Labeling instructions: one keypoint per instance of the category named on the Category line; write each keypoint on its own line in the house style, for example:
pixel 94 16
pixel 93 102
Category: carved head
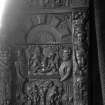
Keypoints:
pixel 80 37
pixel 18 53
pixel 35 88
pixel 80 55
pixel 66 54
pixel 51 84
pixel 37 50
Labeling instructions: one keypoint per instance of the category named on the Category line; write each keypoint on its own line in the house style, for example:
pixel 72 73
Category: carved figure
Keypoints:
pixel 35 62
pixel 28 95
pixel 35 96
pixel 51 62
pixel 55 96
pixel 59 2
pixel 81 59
pixel 66 65
pixel 28 101
pixel 20 64
pixel 80 23
pixel 6 102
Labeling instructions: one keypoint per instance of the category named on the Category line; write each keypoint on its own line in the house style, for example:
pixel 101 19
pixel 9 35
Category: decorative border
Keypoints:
pixel 80 57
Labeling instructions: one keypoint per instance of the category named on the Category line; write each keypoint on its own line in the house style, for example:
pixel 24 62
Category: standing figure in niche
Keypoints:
pixel 66 65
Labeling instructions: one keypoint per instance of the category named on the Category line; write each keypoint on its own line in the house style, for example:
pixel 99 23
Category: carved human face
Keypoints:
pixel 80 38
pixel 80 59
pixel 66 56
pixel 51 55
pixel 35 89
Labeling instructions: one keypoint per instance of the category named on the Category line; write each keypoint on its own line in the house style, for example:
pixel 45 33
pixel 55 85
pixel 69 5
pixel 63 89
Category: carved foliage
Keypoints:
pixel 80 73
pixel 43 92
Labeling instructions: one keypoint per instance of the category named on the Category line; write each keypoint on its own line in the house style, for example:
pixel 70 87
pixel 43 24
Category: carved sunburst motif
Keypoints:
pixel 49 28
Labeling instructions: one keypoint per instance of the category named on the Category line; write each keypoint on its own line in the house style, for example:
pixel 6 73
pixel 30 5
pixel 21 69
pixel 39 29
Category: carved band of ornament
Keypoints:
pixel 80 20
pixel 47 3
pixel 80 74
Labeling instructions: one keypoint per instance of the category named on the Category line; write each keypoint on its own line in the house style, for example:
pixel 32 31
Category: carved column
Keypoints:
pixel 80 57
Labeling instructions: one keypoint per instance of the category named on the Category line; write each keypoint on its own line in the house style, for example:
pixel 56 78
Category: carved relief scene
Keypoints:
pixel 44 63
pixel 49 70
pixel 47 63
pixel 46 59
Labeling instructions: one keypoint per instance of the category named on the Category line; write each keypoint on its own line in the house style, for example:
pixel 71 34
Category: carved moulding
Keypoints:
pixel 80 57
pixel 79 3
pixel 5 75
pixel 47 3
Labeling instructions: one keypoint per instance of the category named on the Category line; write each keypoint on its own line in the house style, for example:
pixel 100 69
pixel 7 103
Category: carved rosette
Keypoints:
pixel 80 58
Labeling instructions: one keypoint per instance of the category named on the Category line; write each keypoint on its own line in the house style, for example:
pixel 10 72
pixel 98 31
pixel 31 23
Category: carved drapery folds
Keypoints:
pixel 80 57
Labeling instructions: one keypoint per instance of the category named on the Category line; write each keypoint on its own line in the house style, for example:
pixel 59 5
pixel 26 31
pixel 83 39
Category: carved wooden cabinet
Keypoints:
pixel 51 66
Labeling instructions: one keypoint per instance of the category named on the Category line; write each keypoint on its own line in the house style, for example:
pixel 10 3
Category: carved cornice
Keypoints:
pixel 31 7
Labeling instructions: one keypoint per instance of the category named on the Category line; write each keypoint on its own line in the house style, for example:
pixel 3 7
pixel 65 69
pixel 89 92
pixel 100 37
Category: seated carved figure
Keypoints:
pixel 66 65
pixel 35 62
pixel 50 63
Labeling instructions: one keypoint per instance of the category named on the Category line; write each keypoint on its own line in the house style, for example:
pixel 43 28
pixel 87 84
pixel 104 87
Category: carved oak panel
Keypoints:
pixel 53 60
pixel 51 67
pixel 48 68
